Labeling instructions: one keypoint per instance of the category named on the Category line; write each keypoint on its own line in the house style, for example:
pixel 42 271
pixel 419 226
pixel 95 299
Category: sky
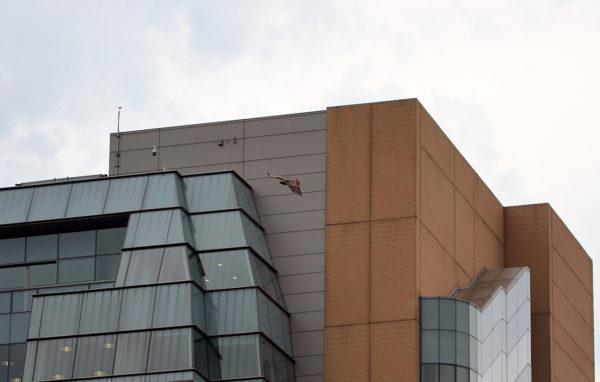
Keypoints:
pixel 514 84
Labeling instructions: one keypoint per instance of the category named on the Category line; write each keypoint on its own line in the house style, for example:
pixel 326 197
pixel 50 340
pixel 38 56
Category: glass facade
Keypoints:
pixel 184 291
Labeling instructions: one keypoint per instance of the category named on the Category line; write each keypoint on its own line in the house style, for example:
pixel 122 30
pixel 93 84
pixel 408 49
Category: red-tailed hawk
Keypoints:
pixel 293 184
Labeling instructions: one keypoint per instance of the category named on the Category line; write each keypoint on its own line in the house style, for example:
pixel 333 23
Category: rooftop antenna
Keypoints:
pixel 156 151
pixel 117 165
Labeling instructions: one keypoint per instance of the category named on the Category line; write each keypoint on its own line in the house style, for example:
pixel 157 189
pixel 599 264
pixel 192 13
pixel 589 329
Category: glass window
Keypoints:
pixel 49 202
pixel 12 278
pixel 429 346
pixel 227 269
pixel 429 373
pixel 462 317
pixel 12 250
pixel 170 350
pixel 106 267
pixel 462 349
pixel 173 305
pixel 462 374
pixel 244 197
pixel 266 278
pixel 100 311
pixel 255 238
pixel 144 266
pixel 161 191
pixel 132 352
pixel 43 274
pixel 14 205
pixel 30 360
pixel 110 240
pixel 153 228
pixel 447 346
pixel 87 198
pixel 274 322
pixel 42 247
pixel 4 328
pixel 268 360
pixel 17 361
pixel 136 308
pixel 4 362
pixel 94 356
pixel 235 310
pixel 218 230
pixel 76 270
pixel 4 303
pixel 240 357
pixel 21 301
pixel 198 307
pixel 54 359
pixel 209 192
pixel 447 373
pixel 174 265
pixel 447 314
pixel 176 229
pixel 77 244
pixel 200 352
pixel 60 314
pixel 429 313
pixel 125 194
pixel 196 270
pixel 36 317
pixel 132 225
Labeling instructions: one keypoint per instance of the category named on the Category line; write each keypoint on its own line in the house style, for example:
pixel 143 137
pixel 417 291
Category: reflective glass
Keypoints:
pixel 447 314
pixel 94 356
pixel 462 349
pixel 12 250
pixel 136 308
pixel 29 361
pixel 132 225
pixel 227 269
pixel 54 359
pixel 132 352
pixel 240 356
pixel 218 230
pixel 447 346
pixel 169 377
pixel 244 197
pixel 209 192
pixel 110 240
pixel 161 191
pixel 429 346
pixel 12 278
pixel 268 360
pixel 174 265
pixel 87 198
pixel 125 194
pixel 36 317
pixel 123 266
pixel 100 311
pixel 43 274
pixel 153 228
pixel 60 315
pixel 173 305
pixel 17 361
pixel 176 229
pixel 429 313
pixel 236 311
pixel 76 270
pixel 462 317
pixel 200 352
pixel 4 328
pixel 49 202
pixel 106 267
pixel 198 307
pixel 21 301
pixel 266 278
pixel 42 247
pixel 274 322
pixel 447 373
pixel 4 303
pixel 170 350
pixel 462 374
pixel 196 270
pixel 255 238
pixel 77 244
pixel 144 266
pixel 429 373
pixel 4 362
pixel 284 368
pixel 14 205
pixel 19 323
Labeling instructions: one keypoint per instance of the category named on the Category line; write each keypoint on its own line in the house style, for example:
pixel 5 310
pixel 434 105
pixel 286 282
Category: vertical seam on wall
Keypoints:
pixel 243 148
pixel 370 230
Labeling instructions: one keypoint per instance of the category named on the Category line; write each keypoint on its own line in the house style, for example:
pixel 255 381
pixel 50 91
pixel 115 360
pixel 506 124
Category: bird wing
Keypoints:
pixel 278 177
pixel 295 189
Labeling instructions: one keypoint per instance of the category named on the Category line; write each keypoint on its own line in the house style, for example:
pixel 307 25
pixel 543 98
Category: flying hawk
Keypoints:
pixel 293 184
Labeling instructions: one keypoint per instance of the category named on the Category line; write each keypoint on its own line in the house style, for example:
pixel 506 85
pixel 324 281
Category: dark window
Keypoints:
pixel 94 356
pixel 76 270
pixel 42 247
pixel 4 328
pixel 4 303
pixel 44 274
pixel 17 361
pixel 110 240
pixel 21 301
pixel 11 278
pixel 19 322
pixel 106 267
pixel 4 362
pixel 77 244
pixel 12 250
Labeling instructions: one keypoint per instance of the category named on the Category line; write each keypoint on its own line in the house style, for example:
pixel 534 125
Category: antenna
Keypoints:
pixel 117 165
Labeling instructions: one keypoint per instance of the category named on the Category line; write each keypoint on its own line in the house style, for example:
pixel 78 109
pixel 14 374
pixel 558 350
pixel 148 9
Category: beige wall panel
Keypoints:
pixel 395 351
pixel 464 177
pixel 296 243
pixel 201 133
pixel 567 316
pixel 305 302
pixel 348 164
pixel 284 145
pixel 572 287
pixel 135 161
pixel 236 166
pixel 541 348
pixel 488 251
pixel 284 166
pixel 565 368
pixel 279 204
pixel 526 240
pixel 571 251
pixel 462 278
pixel 394 169
pixel 286 124
pixel 489 208
pixel 347 353
pixel 132 140
pixel 309 365
pixel 270 187
pixel 393 270
pixel 583 361
pixel 347 274
pixel 463 234
pixel 437 269
pixel 436 143
pixel 289 265
pixel 437 203
pixel 201 153
pixel 295 221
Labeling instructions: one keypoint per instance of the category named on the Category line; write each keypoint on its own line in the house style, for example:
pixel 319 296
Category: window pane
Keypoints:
pixel 153 228
pixel 447 373
pixel 255 238
pixel 49 202
pixel 173 305
pixel 200 352
pixel 462 374
pixel 100 311
pixel 429 313
pixel 54 359
pixel 235 311
pixel 447 314
pixel 42 247
pixel 268 360
pixel 17 361
pixel 11 278
pixel 36 317
pixel 76 270
pixel 429 346
pixel 21 301
pixel 87 198
pixel 60 315
pixel 462 349
pixel 4 328
pixel 12 250
pixel 266 278
pixel 110 240
pixel 123 266
pixel 209 192
pixel 161 191
pixel 125 194
pixel 170 350
pixel 136 309
pixel 4 362
pixel 447 346
pixel 198 307
pixel 273 322
pixel 244 197
pixel 144 266
pixel 106 267
pixel 94 356
pixel 174 265
pixel 462 317
pixel 240 357
pixel 4 303
pixel 43 274
pixel 77 244
pixel 132 352
pixel 219 230
pixel 429 373
pixel 227 269
pixel 14 205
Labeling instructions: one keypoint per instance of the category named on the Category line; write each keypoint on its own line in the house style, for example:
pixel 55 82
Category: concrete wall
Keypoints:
pixel 293 146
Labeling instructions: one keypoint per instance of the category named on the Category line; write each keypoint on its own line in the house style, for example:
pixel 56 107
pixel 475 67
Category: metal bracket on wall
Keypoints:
pixel 222 142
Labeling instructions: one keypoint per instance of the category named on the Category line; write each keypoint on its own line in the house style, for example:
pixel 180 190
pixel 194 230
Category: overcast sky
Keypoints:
pixel 514 84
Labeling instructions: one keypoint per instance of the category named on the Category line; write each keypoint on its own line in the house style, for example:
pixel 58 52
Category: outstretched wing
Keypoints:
pixel 283 179
pixel 295 188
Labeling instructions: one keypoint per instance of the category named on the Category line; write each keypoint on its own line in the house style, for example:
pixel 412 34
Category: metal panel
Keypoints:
pixel 290 265
pixel 291 165
pixel 308 343
pixel 286 124
pixel 298 221
pixel 297 243
pixel 285 145
pixel 49 202
pixel 308 321
pixel 188 155
pixel 201 133
pixel 290 203
pixel 303 283
pixel 14 205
